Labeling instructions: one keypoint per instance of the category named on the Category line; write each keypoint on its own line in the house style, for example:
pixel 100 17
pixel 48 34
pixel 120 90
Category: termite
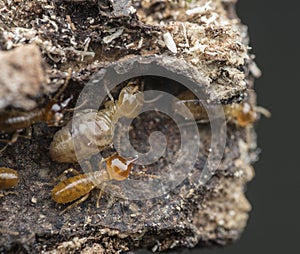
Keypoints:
pixel 79 186
pixel 9 178
pixel 242 114
pixel 15 121
pixel 93 131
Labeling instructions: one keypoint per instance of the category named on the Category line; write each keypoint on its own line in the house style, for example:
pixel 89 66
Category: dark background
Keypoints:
pixel 274 227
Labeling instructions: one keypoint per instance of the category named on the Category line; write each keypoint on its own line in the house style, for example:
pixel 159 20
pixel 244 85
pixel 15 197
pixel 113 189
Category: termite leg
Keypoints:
pixel 27 135
pixel 6 145
pixel 111 201
pixel 5 193
pixel 100 194
pixel 76 108
pixel 84 198
pixel 62 89
pixel 112 198
pixel 263 111
pixel 63 174
pixel 108 93
pixel 9 142
pixel 14 138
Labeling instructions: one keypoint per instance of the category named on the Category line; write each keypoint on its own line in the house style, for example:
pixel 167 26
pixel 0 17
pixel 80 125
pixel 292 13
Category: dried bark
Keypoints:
pixel 88 36
pixel 18 82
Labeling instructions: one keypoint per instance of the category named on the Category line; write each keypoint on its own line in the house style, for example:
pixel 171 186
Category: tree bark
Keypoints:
pixel 89 36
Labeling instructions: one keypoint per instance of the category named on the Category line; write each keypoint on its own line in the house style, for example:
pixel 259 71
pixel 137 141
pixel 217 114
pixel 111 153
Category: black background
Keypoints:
pixel 274 28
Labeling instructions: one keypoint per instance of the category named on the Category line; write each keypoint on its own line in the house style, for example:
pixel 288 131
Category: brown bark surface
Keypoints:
pixel 41 40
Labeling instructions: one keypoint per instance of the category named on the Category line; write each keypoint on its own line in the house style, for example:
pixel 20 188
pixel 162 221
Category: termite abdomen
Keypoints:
pixel 72 189
pixel 9 178
pixel 13 121
pixel 89 132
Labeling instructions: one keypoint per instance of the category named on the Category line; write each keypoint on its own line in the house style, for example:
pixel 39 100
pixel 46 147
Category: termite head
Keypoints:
pixel 118 167
pixel 54 111
pixel 246 115
pixel 130 102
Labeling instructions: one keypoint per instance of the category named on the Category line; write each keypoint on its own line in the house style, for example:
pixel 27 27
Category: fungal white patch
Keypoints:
pixel 170 43
pixel 110 38
pixel 132 10
pixel 210 20
pixel 200 9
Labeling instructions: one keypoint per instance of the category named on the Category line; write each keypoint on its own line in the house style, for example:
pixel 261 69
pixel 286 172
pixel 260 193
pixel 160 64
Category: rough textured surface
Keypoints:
pixel 18 82
pixel 88 36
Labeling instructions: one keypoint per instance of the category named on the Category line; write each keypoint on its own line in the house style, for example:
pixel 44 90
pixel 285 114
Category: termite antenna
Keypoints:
pixel 158 97
pixel 263 111
pixel 108 93
pixel 62 89
pixel 132 160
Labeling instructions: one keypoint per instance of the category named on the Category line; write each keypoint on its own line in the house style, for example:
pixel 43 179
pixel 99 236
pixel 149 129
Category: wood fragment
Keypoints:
pixel 198 40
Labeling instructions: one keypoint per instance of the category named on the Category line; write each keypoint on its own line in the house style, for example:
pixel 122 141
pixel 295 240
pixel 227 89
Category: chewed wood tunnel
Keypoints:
pixel 50 128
